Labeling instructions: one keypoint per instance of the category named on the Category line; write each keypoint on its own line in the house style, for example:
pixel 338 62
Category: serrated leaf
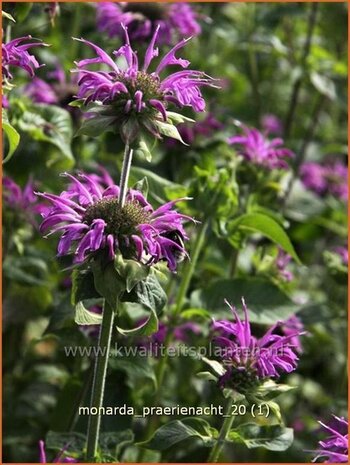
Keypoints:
pixel 148 293
pixel 270 437
pixel 177 431
pixel 83 316
pixel 267 226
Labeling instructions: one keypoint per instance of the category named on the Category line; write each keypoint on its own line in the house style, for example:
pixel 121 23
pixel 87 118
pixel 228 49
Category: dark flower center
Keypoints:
pixel 241 380
pixel 149 85
pixel 152 11
pixel 119 221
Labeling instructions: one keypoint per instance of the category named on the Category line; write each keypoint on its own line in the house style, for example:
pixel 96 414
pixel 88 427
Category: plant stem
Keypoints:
pixel 99 378
pixel 297 85
pixel 190 266
pixel 184 285
pixel 225 429
pixel 299 160
pixel 124 177
pixel 233 263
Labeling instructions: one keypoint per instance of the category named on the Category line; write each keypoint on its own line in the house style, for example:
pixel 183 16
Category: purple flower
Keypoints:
pixel 57 90
pixel 271 124
pixel 337 177
pixel 294 327
pixel 90 220
pixel 58 459
pixel 334 449
pixel 343 253
pixel 282 262
pixel 248 359
pixel 15 53
pixel 132 96
pixel 40 91
pixel 313 177
pixel 174 20
pixel 257 148
pixel 22 201
pixel 330 178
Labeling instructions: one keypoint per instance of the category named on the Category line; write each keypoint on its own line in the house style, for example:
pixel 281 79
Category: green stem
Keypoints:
pixel 233 263
pixel 124 177
pixel 98 383
pixel 297 85
pixel 225 429
pixel 191 266
pixel 184 285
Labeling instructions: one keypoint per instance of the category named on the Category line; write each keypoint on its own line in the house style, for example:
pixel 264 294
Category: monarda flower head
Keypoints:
pixel 22 202
pixel 174 20
pixel 15 53
pixel 326 179
pixel 335 448
pixel 257 148
pixel 90 220
pixel 249 360
pixel 131 99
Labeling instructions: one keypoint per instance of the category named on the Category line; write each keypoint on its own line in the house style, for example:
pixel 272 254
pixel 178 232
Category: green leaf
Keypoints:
pixel 190 313
pixel 83 316
pixel 83 286
pixel 67 401
pixel 73 442
pixel 157 184
pixel 267 304
pixel 267 226
pixel 94 127
pixel 177 431
pixel 269 390
pixel 324 85
pixel 147 328
pixel 215 366
pixel 108 282
pixel 148 293
pixel 207 376
pixel 7 16
pixel 169 130
pixel 271 437
pixel 112 442
pixel 131 271
pixel 144 147
pixel 12 136
pixel 138 370
pixel 51 124
pixel 177 118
